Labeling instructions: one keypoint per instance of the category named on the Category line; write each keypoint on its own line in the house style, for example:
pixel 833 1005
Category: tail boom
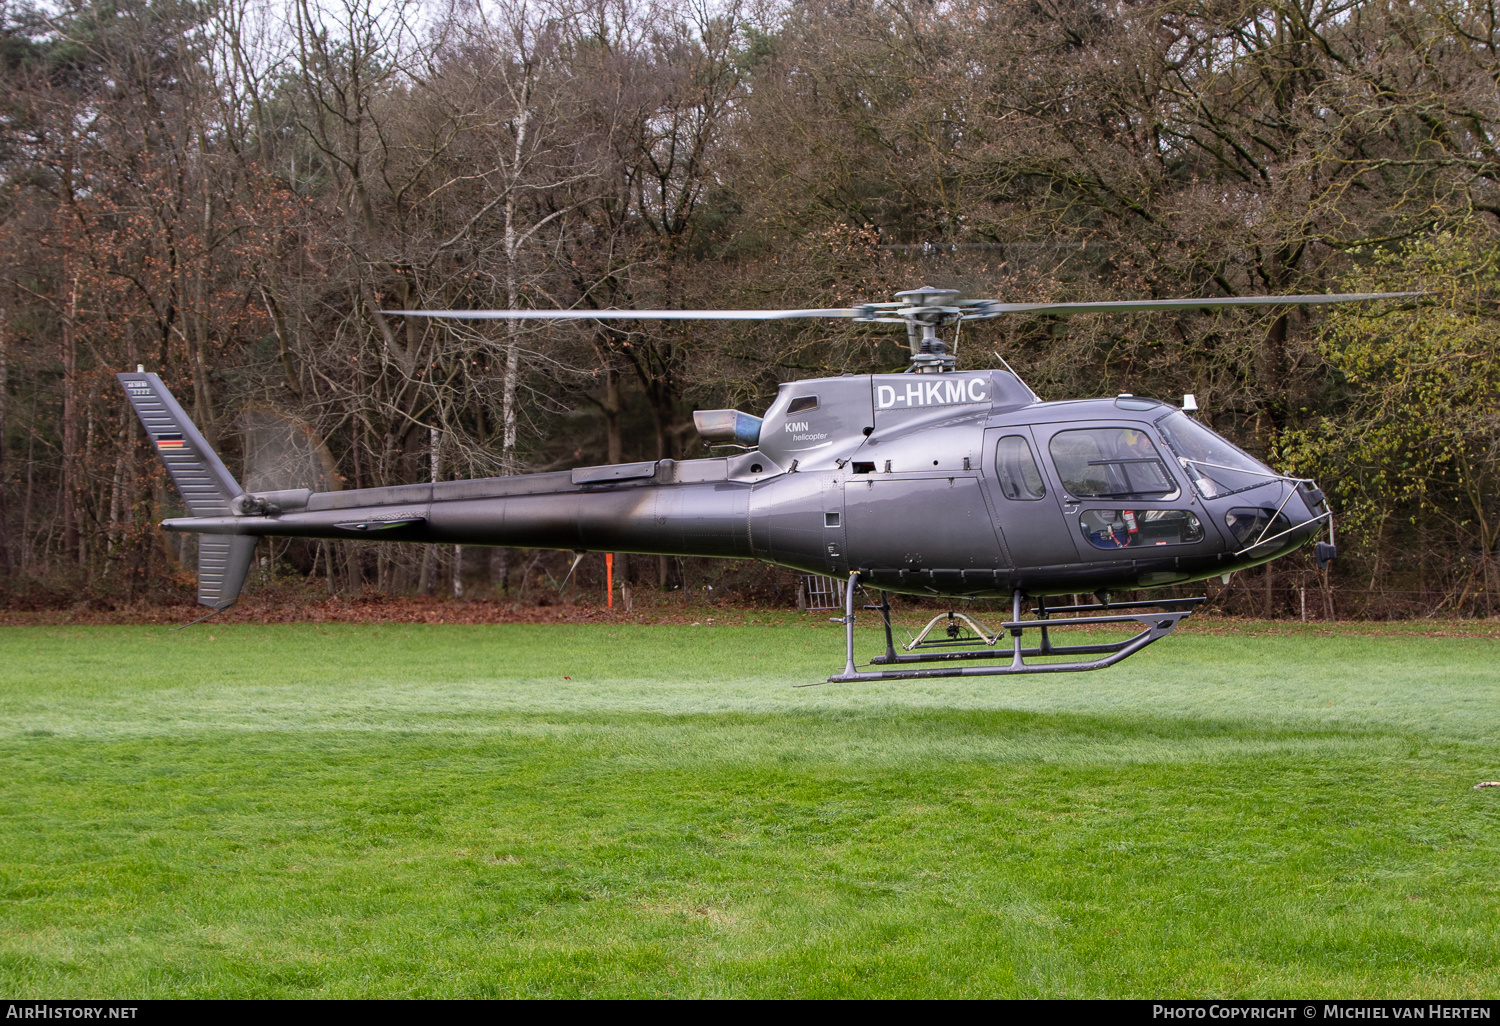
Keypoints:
pixel 689 519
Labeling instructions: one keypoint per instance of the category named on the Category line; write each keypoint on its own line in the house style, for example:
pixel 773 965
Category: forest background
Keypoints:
pixel 229 191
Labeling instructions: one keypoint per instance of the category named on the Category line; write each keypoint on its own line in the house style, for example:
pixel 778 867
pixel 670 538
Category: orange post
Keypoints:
pixel 609 577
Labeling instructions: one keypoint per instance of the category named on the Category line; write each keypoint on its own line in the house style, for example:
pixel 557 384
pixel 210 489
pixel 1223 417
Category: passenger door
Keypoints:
pixel 1025 500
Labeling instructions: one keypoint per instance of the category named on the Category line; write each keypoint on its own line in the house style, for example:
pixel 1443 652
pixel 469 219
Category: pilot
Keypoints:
pixel 1137 445
pixel 1144 470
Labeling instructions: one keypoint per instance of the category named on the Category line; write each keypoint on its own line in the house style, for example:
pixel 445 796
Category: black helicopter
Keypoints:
pixel 933 482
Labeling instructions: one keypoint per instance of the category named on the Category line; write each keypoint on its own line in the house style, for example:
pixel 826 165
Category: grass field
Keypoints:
pixel 626 810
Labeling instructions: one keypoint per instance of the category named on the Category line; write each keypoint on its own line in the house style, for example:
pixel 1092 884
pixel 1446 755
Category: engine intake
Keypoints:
pixel 727 426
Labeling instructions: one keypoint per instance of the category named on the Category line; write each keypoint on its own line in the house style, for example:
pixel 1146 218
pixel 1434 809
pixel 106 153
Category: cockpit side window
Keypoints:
pixel 1111 463
pixel 1016 468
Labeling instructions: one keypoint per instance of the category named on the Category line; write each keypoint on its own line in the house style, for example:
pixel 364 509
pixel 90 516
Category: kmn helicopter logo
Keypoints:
pixel 799 432
pixel 930 393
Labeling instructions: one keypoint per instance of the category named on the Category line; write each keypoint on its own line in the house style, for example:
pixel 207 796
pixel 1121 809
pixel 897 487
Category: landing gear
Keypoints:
pixel 945 638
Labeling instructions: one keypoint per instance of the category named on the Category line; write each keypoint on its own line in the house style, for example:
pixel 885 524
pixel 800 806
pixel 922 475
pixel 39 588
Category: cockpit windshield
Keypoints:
pixel 1216 466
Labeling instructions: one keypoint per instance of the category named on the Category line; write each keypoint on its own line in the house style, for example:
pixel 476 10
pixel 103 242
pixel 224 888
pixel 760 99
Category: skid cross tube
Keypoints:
pixel 921 640
pixel 1153 627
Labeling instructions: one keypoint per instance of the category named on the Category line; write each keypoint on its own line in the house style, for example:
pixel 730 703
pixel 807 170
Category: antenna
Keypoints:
pixel 1017 376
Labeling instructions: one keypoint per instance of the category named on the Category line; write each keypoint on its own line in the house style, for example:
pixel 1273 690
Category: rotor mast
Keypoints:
pixel 924 311
pixel 930 309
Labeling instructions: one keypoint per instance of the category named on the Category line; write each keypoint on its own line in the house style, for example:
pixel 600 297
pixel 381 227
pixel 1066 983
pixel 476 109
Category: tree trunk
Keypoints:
pixel 500 559
pixel 79 489
pixel 500 571
pixel 428 583
pixel 5 546
pixel 116 496
pixel 660 419
pixel 26 506
pixel 70 430
pixel 614 441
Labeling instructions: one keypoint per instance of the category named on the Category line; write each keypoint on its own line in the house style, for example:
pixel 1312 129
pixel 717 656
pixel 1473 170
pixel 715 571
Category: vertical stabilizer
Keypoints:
pixel 206 485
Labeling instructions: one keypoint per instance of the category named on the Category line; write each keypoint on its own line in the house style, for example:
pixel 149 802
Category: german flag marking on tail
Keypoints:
pixel 169 441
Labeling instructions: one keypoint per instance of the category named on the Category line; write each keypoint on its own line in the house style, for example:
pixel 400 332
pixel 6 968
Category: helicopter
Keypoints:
pixel 933 482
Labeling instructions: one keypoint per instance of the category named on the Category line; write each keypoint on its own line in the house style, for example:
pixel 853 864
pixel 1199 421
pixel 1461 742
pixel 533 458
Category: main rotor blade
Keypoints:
pixel 1128 306
pixel 624 315
pixel 893 311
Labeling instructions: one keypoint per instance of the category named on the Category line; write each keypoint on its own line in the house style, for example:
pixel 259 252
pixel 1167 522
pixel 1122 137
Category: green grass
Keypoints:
pixel 615 810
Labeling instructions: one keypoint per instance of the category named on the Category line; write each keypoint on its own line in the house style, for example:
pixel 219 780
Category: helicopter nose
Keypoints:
pixel 1283 524
pixel 1317 508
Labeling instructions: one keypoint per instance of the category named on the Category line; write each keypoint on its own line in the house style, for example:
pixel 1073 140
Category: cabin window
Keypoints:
pixel 802 404
pixel 1110 463
pixel 1017 470
pixel 1139 528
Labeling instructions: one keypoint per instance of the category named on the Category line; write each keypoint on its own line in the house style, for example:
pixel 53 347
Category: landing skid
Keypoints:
pixel 950 646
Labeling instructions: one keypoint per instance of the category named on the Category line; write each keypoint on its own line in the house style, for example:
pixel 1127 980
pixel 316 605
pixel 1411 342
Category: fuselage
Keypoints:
pixel 958 484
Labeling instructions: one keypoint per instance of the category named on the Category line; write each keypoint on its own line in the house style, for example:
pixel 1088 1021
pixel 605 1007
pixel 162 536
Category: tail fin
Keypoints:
pixel 206 485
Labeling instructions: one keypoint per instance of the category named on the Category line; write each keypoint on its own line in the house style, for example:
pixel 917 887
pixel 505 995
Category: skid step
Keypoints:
pixel 1043 610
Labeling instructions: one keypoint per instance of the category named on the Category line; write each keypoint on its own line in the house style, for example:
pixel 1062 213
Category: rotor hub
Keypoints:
pixel 928 296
